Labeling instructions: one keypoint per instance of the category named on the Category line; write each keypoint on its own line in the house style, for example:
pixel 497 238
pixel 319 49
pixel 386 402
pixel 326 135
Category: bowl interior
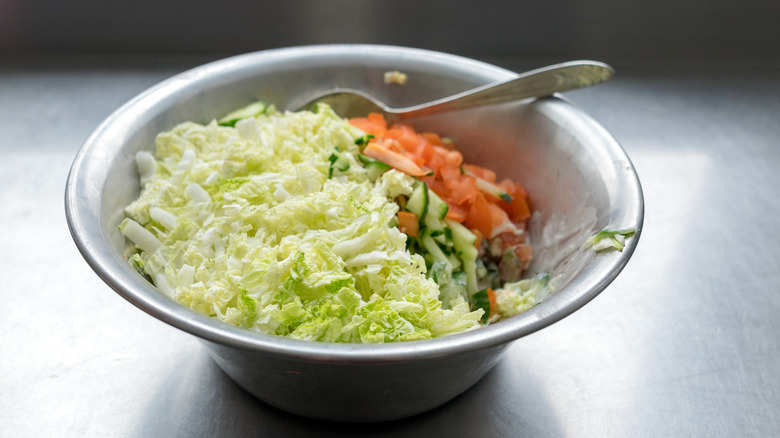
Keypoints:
pixel 579 178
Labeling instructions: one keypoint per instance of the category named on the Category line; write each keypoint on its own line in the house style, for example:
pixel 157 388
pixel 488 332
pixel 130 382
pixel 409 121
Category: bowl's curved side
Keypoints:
pixel 354 392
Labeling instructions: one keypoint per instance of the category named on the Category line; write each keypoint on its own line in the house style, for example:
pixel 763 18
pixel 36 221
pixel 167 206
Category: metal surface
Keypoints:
pixel 563 154
pixel 541 82
pixel 685 342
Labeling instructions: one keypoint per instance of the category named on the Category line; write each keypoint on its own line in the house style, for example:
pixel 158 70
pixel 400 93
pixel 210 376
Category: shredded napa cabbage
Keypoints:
pixel 252 225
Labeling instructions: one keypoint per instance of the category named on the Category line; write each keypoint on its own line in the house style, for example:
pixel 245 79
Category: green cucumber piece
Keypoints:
pixel 455 262
pixel 470 268
pixel 435 227
pixel 251 110
pixel 460 233
pixel 437 208
pixel 436 253
pixel 463 241
pixel 418 203
pixel 374 168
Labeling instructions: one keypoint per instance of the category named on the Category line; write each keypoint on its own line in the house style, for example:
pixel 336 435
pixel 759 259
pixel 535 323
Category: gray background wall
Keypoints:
pixel 602 29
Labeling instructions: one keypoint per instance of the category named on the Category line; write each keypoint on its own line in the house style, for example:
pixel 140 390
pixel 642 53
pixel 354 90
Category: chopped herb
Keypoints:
pixel 337 161
pixel 482 301
pixel 363 140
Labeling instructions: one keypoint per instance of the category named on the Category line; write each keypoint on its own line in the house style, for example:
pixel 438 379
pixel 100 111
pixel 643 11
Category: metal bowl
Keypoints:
pixel 580 180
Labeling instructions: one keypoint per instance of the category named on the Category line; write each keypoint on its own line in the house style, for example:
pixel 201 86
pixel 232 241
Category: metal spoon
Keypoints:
pixel 535 83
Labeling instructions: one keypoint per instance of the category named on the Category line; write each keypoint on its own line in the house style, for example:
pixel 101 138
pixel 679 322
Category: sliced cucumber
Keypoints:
pixel 443 240
pixel 470 268
pixel 374 168
pixel 436 253
pixel 365 160
pixel 455 261
pixel 429 208
pixel 425 202
pixel 463 241
pixel 418 202
pixel 437 207
pixel 435 227
pixel 460 233
pixel 251 110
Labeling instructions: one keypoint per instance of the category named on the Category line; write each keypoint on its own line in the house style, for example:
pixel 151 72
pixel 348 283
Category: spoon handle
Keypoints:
pixel 535 83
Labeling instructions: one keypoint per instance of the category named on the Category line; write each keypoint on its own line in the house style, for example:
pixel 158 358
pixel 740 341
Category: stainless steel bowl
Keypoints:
pixel 580 180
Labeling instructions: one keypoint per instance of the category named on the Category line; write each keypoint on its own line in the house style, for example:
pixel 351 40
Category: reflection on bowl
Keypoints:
pixel 580 179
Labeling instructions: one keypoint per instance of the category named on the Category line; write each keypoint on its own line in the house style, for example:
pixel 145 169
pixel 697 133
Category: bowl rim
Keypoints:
pixel 83 206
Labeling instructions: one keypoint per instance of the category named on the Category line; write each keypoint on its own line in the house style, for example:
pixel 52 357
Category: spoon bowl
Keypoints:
pixel 541 82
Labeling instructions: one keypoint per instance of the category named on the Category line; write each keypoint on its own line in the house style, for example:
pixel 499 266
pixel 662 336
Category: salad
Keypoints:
pixel 315 227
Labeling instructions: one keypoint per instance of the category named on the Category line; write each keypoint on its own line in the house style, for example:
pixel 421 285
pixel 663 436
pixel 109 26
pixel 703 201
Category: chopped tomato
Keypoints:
pixel 424 150
pixel 518 210
pixel 524 253
pixel 498 216
pixel 508 186
pixel 405 135
pixel 391 144
pixel 478 240
pixel 437 186
pixel 479 216
pixel 509 239
pixel 486 174
pixel 463 189
pixel 454 158
pixel 450 173
pixel 373 124
pixel 456 213
pixel 432 138
pixel 418 160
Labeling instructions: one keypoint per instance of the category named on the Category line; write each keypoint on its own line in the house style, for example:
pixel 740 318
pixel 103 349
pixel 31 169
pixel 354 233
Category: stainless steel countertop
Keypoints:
pixel 686 342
